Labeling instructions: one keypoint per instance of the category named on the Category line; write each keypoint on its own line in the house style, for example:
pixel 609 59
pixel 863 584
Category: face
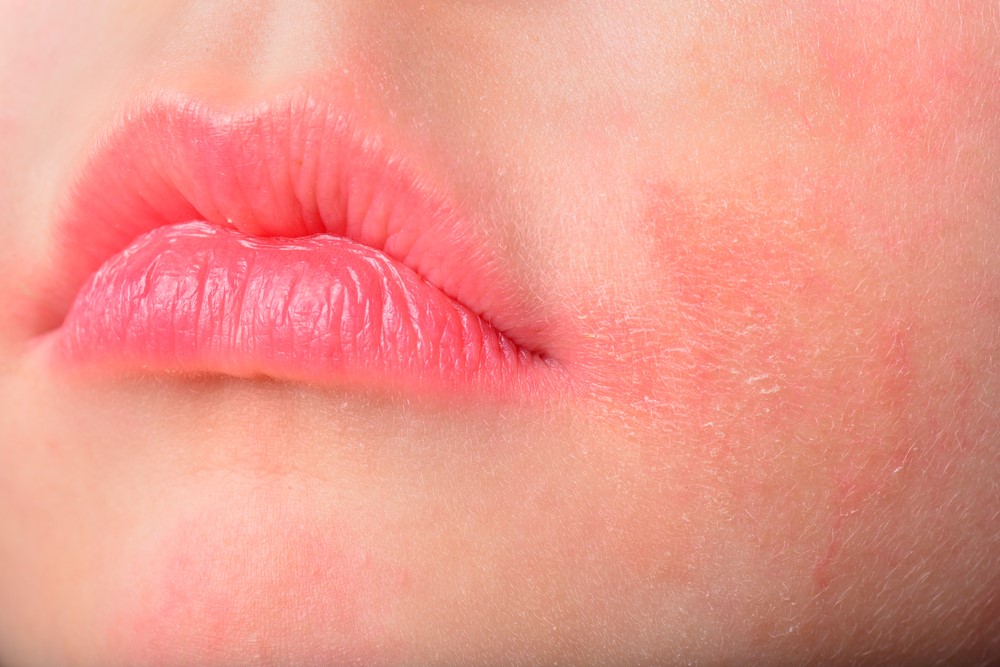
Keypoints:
pixel 452 332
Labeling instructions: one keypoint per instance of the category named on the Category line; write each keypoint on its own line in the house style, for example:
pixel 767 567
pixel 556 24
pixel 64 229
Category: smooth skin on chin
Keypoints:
pixel 759 243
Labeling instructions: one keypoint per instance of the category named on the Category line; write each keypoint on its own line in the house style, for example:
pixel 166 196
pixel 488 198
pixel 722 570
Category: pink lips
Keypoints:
pixel 196 297
pixel 281 240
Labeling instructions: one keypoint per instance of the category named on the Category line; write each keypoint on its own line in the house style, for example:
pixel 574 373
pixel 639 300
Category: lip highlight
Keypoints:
pixel 281 239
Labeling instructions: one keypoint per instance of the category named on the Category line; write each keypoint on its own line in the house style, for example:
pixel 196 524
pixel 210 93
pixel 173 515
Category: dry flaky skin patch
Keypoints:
pixel 822 341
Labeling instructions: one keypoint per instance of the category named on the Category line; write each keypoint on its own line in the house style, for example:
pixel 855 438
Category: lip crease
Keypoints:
pixel 281 239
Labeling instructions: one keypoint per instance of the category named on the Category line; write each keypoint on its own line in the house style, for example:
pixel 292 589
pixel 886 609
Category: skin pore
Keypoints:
pixel 762 240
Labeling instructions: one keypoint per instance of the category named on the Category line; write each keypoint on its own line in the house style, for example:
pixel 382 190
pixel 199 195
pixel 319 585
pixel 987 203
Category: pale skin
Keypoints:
pixel 773 229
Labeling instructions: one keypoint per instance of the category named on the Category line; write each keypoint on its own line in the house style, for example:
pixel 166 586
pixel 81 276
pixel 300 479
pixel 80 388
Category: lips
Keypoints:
pixel 283 239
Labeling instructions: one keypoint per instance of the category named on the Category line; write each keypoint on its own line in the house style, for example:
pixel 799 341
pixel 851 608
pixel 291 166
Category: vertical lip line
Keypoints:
pixel 168 158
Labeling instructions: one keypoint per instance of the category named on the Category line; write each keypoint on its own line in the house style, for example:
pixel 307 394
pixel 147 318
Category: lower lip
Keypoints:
pixel 194 298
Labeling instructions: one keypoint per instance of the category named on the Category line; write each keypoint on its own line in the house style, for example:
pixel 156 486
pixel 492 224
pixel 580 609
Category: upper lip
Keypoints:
pixel 297 164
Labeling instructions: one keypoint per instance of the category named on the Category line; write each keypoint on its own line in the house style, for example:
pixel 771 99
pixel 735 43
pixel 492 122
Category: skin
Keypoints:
pixel 768 236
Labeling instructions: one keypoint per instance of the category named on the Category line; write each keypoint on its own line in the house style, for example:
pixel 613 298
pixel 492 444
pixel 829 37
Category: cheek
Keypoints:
pixel 893 71
pixel 724 315
pixel 757 356
pixel 253 587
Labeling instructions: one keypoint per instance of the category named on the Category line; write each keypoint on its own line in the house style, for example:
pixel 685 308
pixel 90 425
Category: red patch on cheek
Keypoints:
pixel 894 71
pixel 254 590
pixel 728 283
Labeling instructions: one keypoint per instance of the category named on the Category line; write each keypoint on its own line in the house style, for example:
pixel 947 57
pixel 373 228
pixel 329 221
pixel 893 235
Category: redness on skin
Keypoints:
pixel 893 87
pixel 766 323
pixel 259 588
pixel 850 495
pixel 726 274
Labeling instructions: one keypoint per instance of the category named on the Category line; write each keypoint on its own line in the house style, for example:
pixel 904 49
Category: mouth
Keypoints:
pixel 286 239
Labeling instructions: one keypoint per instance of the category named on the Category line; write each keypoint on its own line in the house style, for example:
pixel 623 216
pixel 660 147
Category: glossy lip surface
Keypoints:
pixel 280 239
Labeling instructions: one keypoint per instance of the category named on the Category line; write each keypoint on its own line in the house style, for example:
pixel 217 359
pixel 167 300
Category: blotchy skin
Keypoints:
pixel 766 234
